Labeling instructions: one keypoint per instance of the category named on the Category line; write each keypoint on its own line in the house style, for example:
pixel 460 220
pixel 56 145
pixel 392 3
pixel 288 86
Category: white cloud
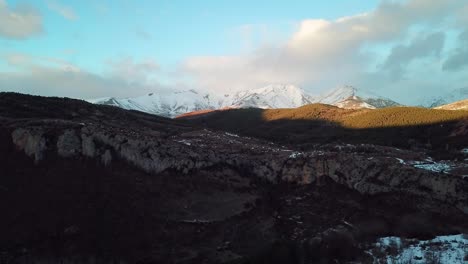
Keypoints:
pixel 63 10
pixel 321 53
pixel 20 22
pixel 248 36
pixel 26 62
pixel 63 83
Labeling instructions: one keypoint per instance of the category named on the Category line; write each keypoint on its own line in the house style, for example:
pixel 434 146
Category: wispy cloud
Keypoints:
pixel 69 51
pixel 143 34
pixel 134 71
pixel 19 23
pixel 65 11
pixel 56 77
pixel 28 62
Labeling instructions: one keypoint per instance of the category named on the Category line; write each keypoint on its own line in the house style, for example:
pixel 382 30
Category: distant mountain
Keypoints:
pixel 272 96
pixel 179 102
pixel 168 104
pixel 460 105
pixel 171 104
pixel 354 102
pixel 445 98
pixel 353 98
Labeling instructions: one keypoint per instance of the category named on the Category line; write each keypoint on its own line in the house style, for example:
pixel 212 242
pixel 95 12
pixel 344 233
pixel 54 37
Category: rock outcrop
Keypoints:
pixel 370 173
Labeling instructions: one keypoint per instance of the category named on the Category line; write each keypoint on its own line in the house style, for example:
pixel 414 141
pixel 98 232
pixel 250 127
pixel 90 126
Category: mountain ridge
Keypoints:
pixel 458 105
pixel 273 96
pixel 351 97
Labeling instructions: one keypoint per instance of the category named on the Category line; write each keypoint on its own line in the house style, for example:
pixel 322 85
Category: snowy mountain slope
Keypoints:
pixel 348 96
pixel 460 105
pixel 354 102
pixel 272 96
pixel 179 102
pixel 168 104
pixel 445 98
pixel 171 104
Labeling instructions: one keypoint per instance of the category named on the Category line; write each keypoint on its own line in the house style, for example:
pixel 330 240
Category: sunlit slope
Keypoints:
pixel 386 117
pixel 310 112
pixel 401 117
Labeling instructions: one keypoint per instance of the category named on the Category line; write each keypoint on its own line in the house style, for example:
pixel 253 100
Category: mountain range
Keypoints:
pixel 172 104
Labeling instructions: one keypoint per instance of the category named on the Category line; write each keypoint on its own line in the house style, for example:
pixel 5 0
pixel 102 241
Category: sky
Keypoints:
pixel 403 49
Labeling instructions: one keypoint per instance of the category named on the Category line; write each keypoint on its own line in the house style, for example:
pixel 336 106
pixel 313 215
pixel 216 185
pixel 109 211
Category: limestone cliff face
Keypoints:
pixel 371 173
pixel 31 141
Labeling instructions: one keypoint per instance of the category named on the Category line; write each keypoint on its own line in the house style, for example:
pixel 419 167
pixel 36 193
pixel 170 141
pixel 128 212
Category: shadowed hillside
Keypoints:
pixel 316 123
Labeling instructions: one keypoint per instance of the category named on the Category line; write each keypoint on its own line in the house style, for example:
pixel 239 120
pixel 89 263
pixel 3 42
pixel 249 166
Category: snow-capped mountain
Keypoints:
pixel 446 98
pixel 171 104
pixel 351 97
pixel 168 104
pixel 272 96
pixel 354 103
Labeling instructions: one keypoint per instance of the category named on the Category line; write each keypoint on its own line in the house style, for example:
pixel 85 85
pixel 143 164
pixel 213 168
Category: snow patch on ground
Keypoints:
pixel 435 167
pixel 442 166
pixel 296 155
pixel 430 165
pixel 401 161
pixel 442 249
pixel 231 135
pixel 184 141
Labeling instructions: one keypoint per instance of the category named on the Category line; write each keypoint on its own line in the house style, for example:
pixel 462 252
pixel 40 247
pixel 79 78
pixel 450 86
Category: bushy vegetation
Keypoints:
pixel 364 118
pixel 401 117
pixel 310 112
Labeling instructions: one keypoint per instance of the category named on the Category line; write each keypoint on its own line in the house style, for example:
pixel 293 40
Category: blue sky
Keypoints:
pixel 167 30
pixel 126 48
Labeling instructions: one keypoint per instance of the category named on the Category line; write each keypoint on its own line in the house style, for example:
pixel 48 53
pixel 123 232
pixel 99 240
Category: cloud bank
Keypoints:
pixel 393 48
pixel 53 77
pixel 20 22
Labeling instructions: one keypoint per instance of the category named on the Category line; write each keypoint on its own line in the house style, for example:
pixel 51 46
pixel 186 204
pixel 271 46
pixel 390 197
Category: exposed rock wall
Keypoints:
pixel 365 173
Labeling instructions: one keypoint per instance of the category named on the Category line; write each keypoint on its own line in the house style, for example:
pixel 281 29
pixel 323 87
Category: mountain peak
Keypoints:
pixel 348 96
pixel 350 89
pixel 276 88
pixel 272 96
pixel 339 94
